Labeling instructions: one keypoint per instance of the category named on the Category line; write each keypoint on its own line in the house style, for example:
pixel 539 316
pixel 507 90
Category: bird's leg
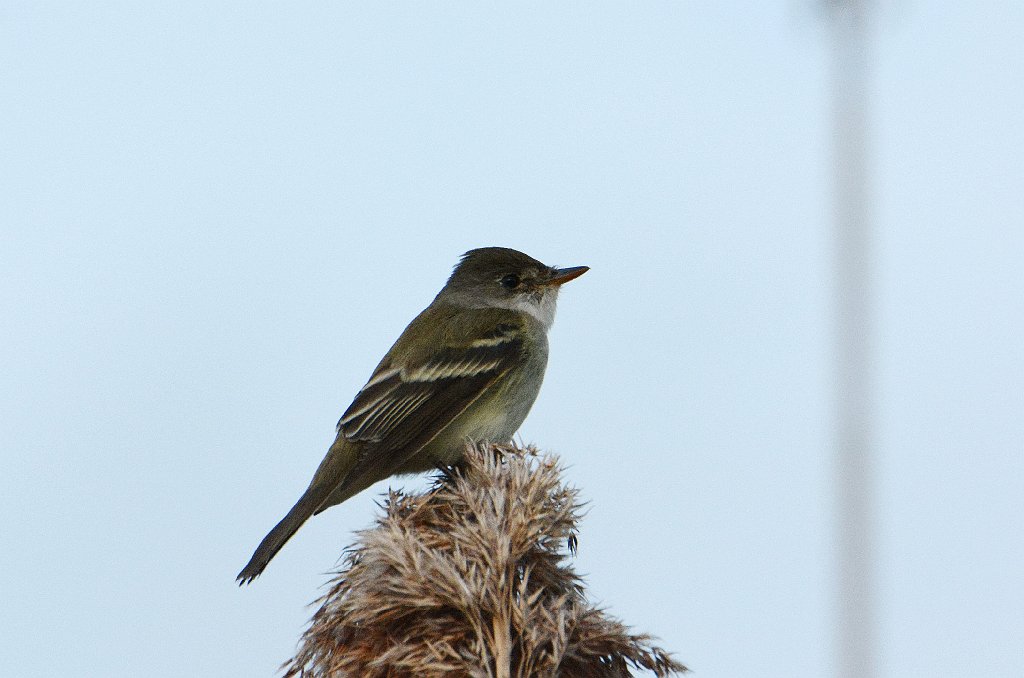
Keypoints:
pixel 447 472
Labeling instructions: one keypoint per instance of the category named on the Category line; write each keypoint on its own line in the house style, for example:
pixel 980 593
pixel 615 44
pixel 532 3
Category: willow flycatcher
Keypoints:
pixel 467 368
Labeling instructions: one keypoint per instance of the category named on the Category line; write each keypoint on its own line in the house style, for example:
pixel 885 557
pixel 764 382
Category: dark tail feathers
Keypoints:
pixel 278 536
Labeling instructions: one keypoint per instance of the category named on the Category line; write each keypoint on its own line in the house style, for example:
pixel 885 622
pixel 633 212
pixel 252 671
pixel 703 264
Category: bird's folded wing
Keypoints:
pixel 401 409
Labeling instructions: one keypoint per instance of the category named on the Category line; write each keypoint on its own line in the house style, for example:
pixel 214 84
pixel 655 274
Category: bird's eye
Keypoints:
pixel 510 281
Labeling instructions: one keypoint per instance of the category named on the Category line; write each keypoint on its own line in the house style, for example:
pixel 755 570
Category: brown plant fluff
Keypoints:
pixel 470 579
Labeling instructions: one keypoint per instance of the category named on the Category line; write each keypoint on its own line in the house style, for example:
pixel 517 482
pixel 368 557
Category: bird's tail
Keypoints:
pixel 329 481
pixel 281 533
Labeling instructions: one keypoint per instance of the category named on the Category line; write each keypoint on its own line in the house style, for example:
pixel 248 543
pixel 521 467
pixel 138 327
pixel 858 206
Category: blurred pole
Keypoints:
pixel 856 637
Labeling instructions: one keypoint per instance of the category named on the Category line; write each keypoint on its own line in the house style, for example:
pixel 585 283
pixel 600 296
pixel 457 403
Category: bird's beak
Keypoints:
pixel 560 276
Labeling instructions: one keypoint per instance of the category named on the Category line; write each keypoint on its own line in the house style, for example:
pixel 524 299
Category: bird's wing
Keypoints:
pixel 401 409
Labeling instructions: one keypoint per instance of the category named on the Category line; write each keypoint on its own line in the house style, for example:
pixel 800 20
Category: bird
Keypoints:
pixel 467 369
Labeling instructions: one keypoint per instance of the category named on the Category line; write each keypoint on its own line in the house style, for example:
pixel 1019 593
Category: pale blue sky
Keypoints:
pixel 215 217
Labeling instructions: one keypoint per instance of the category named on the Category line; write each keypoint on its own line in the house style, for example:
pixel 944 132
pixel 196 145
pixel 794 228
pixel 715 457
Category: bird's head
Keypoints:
pixel 500 277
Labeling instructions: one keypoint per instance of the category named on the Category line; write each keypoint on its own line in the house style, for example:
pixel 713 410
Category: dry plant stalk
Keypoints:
pixel 470 579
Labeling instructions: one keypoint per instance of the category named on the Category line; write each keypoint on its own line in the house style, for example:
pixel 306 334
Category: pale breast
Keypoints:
pixel 497 415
